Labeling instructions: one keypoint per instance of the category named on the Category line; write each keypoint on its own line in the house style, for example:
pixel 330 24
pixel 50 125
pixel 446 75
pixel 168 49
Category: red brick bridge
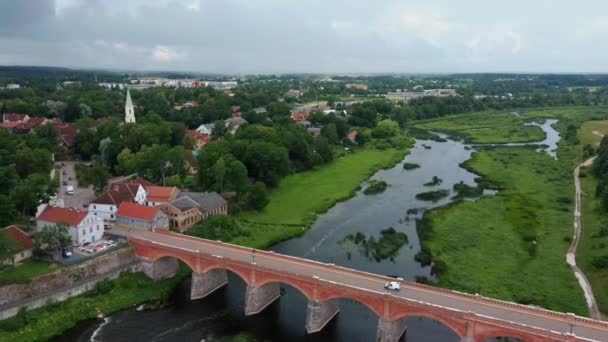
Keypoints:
pixel 472 317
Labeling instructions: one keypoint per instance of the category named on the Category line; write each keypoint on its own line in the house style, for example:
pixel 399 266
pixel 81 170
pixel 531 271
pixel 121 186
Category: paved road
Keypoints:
pixel 518 314
pixel 80 196
pixel 571 255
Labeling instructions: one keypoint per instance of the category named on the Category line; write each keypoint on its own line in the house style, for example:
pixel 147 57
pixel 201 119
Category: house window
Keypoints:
pixel 91 230
pixel 111 215
pixel 97 227
pixel 84 231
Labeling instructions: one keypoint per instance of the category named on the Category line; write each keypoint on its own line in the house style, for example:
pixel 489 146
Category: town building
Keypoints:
pixel 129 109
pixel 183 213
pixel 200 140
pixel 206 129
pixel 106 205
pixel 210 203
pixel 359 86
pixel 408 95
pixel 22 240
pixel 157 195
pixel 83 225
pixel 234 123
pixel 141 216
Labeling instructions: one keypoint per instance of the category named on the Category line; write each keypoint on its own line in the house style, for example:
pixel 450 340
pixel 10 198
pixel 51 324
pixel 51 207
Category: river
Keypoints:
pixel 374 233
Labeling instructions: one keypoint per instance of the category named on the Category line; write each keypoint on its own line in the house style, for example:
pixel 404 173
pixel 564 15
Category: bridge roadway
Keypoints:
pixel 581 327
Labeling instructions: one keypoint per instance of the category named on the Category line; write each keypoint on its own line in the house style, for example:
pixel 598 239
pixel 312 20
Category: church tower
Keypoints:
pixel 129 110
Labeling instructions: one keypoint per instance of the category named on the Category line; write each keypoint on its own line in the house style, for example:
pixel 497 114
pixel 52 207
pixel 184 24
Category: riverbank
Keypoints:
pixel 502 246
pixel 295 204
pixel 127 291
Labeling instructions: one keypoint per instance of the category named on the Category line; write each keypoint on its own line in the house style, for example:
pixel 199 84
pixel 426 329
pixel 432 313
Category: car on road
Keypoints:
pixel 64 172
pixel 66 253
pixel 69 178
pixel 85 204
pixel 393 286
pixel 62 164
pixel 65 182
pixel 69 190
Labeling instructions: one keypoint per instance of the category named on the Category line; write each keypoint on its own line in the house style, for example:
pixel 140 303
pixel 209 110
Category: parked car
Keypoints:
pixel 393 286
pixel 66 253
pixel 62 164
pixel 69 178
pixel 85 204
pixel 86 243
pixel 65 182
pixel 64 172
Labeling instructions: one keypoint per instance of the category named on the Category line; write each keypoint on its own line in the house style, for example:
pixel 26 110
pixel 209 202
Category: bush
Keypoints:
pixel 600 262
pixel 410 166
pixel 223 228
pixel 375 187
pixel 256 197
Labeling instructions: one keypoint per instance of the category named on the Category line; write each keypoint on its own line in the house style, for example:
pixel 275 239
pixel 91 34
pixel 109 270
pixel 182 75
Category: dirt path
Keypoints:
pixel 571 255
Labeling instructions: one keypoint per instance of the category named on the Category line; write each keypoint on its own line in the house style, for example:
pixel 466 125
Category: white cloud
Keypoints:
pixel 166 54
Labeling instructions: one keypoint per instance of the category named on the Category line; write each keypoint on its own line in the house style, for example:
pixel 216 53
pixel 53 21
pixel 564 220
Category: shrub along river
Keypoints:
pixel 374 232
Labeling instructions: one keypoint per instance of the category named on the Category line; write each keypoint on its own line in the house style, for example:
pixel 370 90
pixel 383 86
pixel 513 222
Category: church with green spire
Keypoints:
pixel 129 110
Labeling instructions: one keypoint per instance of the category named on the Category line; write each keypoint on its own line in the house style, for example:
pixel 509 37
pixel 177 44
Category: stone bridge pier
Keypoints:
pixel 258 298
pixel 203 284
pixel 390 331
pixel 319 314
pixel 161 268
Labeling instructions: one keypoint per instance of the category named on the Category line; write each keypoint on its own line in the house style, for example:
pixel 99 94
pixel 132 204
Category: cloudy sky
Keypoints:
pixel 325 36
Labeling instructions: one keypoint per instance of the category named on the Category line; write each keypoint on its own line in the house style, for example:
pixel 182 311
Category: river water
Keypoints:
pixel 375 233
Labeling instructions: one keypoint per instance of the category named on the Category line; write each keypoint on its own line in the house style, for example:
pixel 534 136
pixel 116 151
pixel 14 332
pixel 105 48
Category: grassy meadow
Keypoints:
pixel 511 246
pixel 485 127
pixel 23 272
pixel 591 132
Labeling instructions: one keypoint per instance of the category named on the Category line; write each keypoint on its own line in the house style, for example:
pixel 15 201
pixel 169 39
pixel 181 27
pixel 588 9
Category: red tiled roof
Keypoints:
pixel 118 193
pixel 161 193
pixel 8 125
pixel 138 211
pixel 14 117
pixel 352 135
pixel 70 216
pixel 198 135
pixel 31 123
pixel 18 235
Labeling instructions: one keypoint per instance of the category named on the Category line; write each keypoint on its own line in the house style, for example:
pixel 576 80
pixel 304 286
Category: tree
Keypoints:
pixel 330 132
pixel 53 238
pixel 256 197
pixel 266 162
pixel 8 247
pixel 7 211
pixel 385 129
pixel 219 174
pixel 99 175
pixel 218 227
pixel 323 149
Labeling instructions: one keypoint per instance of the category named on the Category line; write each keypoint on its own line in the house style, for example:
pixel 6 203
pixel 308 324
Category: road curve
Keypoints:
pixel 571 254
pixel 588 330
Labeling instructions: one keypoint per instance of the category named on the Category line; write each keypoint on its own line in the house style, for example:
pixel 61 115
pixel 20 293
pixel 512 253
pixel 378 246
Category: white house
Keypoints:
pixel 83 225
pixel 206 129
pixel 106 205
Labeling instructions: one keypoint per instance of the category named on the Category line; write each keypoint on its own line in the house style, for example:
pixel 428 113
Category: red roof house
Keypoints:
pixel 160 195
pixel 70 216
pixel 200 139
pixel 141 216
pixel 23 239
pixel 18 118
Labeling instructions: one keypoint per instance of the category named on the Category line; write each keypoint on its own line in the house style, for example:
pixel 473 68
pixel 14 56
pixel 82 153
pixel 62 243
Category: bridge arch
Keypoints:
pixel 244 274
pixel 373 304
pixel 304 289
pixel 160 256
pixel 457 326
pixel 507 335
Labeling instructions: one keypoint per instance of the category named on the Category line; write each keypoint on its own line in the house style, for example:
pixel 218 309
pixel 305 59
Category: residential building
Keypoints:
pixel 83 225
pixel 200 140
pixel 408 95
pixel 259 110
pixel 158 195
pixel 129 109
pixel 206 129
pixel 141 216
pixel 106 205
pixel 210 203
pixel 15 118
pixel 183 213
pixel 20 238
pixel 234 123
pixel 13 86
pixel 300 114
pixel 359 86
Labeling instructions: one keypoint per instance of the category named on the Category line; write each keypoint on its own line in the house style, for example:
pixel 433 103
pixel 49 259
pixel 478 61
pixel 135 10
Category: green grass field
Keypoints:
pixel 485 127
pixel 488 245
pixel 594 241
pixel 24 272
pixel 296 202
pixel 591 132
